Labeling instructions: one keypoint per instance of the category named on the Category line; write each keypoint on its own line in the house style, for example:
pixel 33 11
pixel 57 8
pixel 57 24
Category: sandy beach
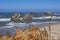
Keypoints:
pixel 53 31
pixel 47 32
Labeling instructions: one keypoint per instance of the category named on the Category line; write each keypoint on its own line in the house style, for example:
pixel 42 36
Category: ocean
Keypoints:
pixel 37 19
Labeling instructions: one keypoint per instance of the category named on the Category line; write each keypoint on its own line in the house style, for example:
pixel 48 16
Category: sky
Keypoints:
pixel 29 5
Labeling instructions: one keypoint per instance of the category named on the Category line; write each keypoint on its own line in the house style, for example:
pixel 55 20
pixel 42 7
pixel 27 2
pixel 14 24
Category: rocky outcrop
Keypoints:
pixel 27 17
pixel 15 17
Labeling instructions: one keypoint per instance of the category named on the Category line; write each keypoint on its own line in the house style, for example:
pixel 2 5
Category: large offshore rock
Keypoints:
pixel 27 18
pixel 15 17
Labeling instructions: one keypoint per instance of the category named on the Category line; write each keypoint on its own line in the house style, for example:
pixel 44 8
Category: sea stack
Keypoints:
pixel 15 17
pixel 27 18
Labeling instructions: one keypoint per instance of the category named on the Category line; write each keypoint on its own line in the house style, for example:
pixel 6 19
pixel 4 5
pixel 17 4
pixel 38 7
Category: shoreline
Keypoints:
pixel 26 25
pixel 53 33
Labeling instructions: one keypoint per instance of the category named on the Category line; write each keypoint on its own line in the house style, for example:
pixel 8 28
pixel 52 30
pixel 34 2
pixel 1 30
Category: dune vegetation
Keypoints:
pixel 33 33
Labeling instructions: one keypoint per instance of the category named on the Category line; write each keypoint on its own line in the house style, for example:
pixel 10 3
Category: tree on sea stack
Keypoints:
pixel 27 18
pixel 15 17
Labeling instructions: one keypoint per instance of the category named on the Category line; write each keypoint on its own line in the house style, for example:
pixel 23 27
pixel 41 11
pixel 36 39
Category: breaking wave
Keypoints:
pixel 44 17
pixel 26 25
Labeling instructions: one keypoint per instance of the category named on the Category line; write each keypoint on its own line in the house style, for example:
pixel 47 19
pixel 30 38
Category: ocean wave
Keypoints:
pixel 4 19
pixel 44 17
pixel 6 27
pixel 26 25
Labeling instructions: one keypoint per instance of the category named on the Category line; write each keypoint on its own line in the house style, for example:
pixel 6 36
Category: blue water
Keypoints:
pixel 8 26
pixel 5 17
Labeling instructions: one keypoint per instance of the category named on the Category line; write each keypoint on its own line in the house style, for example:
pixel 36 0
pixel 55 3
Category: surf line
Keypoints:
pixel 47 17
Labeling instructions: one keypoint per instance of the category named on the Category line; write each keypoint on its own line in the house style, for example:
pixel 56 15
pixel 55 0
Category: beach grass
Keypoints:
pixel 33 33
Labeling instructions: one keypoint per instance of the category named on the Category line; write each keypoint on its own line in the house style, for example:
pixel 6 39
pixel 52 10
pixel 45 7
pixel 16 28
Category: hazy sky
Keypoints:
pixel 29 5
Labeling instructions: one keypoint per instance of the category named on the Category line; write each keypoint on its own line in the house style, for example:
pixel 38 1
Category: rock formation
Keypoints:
pixel 27 18
pixel 15 17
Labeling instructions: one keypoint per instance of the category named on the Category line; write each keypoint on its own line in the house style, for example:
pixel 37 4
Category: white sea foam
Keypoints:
pixel 44 17
pixel 4 19
pixel 6 27
pixel 11 23
pixel 39 23
pixel 25 25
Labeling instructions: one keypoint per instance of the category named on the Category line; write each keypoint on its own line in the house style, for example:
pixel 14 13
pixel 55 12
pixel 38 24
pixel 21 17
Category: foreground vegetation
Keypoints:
pixel 33 33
